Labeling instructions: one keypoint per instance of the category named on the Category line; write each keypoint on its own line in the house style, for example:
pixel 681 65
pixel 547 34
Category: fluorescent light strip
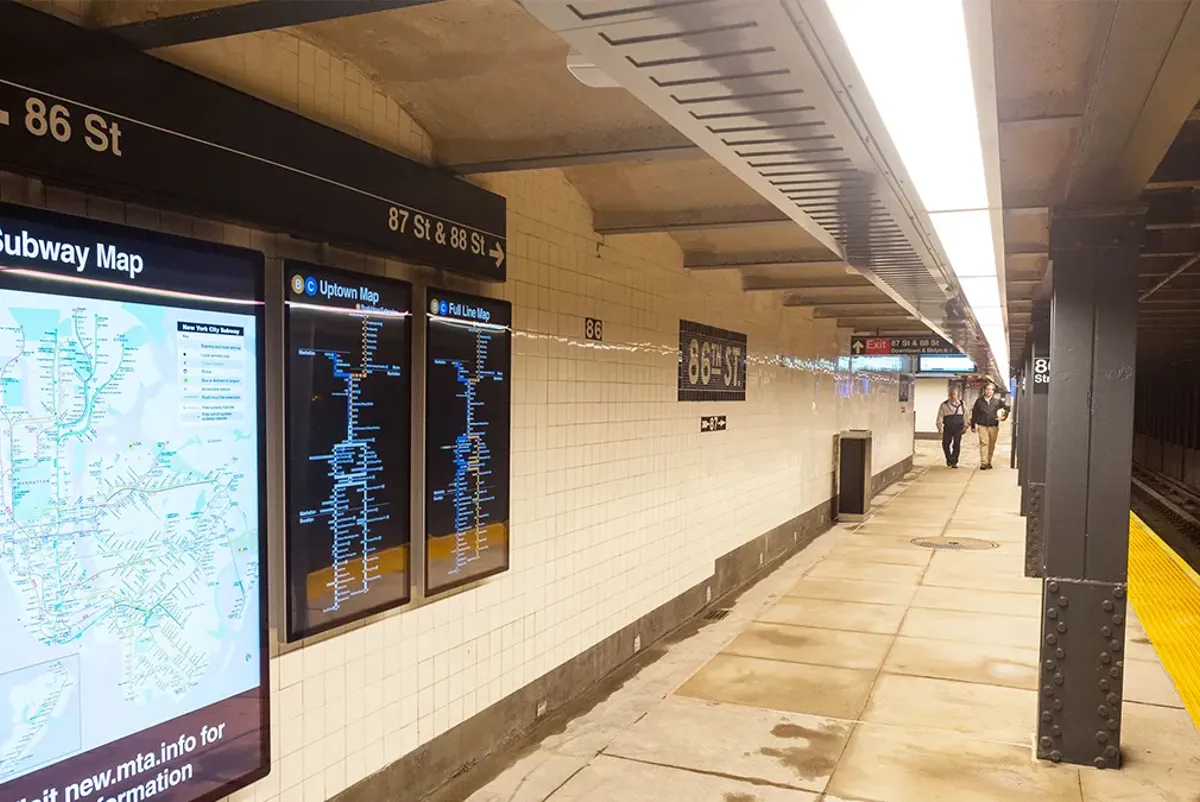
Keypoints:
pixel 914 60
pixel 91 282
pixel 916 63
pixel 967 239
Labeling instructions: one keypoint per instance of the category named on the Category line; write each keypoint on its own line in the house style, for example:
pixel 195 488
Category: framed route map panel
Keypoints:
pixel 132 514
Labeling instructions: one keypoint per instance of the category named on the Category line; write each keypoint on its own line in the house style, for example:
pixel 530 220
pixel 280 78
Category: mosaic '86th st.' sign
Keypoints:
pixel 712 363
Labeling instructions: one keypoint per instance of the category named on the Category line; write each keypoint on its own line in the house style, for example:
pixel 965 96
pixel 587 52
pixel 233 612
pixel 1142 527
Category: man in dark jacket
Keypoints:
pixel 986 415
pixel 950 420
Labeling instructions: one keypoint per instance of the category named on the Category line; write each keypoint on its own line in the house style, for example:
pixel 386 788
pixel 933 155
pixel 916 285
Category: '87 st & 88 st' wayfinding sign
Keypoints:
pixel 712 363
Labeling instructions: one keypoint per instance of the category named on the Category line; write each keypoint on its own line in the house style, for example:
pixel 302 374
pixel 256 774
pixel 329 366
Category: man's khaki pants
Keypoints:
pixel 987 444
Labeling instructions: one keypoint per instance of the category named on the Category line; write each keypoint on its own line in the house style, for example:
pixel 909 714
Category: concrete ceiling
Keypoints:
pixel 1090 95
pixel 490 85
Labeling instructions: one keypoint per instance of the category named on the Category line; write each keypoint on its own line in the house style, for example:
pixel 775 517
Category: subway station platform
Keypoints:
pixel 866 669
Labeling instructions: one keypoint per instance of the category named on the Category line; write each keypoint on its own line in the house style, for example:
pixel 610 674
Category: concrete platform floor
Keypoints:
pixel 866 669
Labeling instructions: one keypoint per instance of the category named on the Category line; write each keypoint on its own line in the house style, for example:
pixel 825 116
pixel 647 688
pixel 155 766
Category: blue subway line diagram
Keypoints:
pixel 353 511
pixel 348 456
pixel 467 451
pixel 473 488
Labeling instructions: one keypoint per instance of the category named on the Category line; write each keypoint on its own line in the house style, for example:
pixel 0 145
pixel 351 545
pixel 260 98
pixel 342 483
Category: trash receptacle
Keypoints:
pixel 854 474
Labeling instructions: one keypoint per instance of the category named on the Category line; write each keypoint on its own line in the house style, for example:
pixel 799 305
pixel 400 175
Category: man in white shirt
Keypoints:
pixel 950 423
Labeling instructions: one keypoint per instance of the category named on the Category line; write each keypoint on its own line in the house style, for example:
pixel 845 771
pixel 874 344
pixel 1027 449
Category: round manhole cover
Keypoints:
pixel 954 543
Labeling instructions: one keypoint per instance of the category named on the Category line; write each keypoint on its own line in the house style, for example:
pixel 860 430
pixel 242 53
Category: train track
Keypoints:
pixel 1171 509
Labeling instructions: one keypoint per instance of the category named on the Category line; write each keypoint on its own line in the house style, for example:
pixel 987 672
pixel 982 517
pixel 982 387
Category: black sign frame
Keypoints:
pixel 500 315
pixel 104 116
pixel 708 341
pixel 293 268
pixel 203 253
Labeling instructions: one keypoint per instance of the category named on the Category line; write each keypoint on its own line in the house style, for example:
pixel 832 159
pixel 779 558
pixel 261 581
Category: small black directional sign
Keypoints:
pixel 712 423
pixel 85 109
pixel 900 345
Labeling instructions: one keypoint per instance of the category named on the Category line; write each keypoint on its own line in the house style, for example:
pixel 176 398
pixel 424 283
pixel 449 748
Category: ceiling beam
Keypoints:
pixel 618 223
pixel 1181 166
pixel 1173 208
pixel 256 15
pixel 801 283
pixel 833 296
pixel 850 309
pixel 727 261
pixel 821 311
pixel 1145 88
pixel 581 159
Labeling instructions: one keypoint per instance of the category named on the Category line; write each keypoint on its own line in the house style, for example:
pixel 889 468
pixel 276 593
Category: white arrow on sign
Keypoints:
pixel 858 347
pixel 497 253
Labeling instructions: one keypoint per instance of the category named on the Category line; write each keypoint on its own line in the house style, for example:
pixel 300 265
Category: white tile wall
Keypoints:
pixel 618 502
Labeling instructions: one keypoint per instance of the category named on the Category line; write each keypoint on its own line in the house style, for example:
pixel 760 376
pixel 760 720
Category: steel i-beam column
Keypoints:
pixel 1034 426
pixel 1093 341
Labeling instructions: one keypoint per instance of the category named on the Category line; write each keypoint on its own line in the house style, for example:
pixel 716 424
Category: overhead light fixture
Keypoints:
pixel 916 63
pixel 967 240
pixel 917 67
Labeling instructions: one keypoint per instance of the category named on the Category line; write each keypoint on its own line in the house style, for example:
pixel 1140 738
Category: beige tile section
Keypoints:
pixel 1139 783
pixel 981 711
pixel 892 764
pixel 995 573
pixel 795 687
pixel 827 647
pixel 607 779
pixel 1010 666
pixel 767 746
pixel 1163 737
pixel 1139 647
pixel 1002 630
pixel 884 541
pixel 1148 682
pixel 912 555
pixel 853 590
pixel 978 601
pixel 866 571
pixel 850 616
pixel 530 779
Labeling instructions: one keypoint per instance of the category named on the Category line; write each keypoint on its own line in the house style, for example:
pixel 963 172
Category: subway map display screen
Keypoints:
pixel 132 520
pixel 467 433
pixel 348 401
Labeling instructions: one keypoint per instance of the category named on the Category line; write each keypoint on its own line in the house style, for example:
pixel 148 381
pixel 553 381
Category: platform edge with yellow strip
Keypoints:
pixel 1165 593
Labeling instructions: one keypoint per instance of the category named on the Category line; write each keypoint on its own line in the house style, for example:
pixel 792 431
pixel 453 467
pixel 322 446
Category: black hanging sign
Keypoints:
pixel 1041 375
pixel 101 115
pixel 903 345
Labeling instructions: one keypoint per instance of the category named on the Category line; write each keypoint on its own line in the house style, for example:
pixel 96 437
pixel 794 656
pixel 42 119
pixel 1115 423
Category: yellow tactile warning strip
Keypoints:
pixel 1165 592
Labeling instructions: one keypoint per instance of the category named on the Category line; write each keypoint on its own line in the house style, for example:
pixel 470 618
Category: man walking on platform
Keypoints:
pixel 986 415
pixel 950 424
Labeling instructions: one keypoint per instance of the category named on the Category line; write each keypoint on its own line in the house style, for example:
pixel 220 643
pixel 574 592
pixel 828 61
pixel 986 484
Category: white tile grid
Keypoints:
pixel 618 502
